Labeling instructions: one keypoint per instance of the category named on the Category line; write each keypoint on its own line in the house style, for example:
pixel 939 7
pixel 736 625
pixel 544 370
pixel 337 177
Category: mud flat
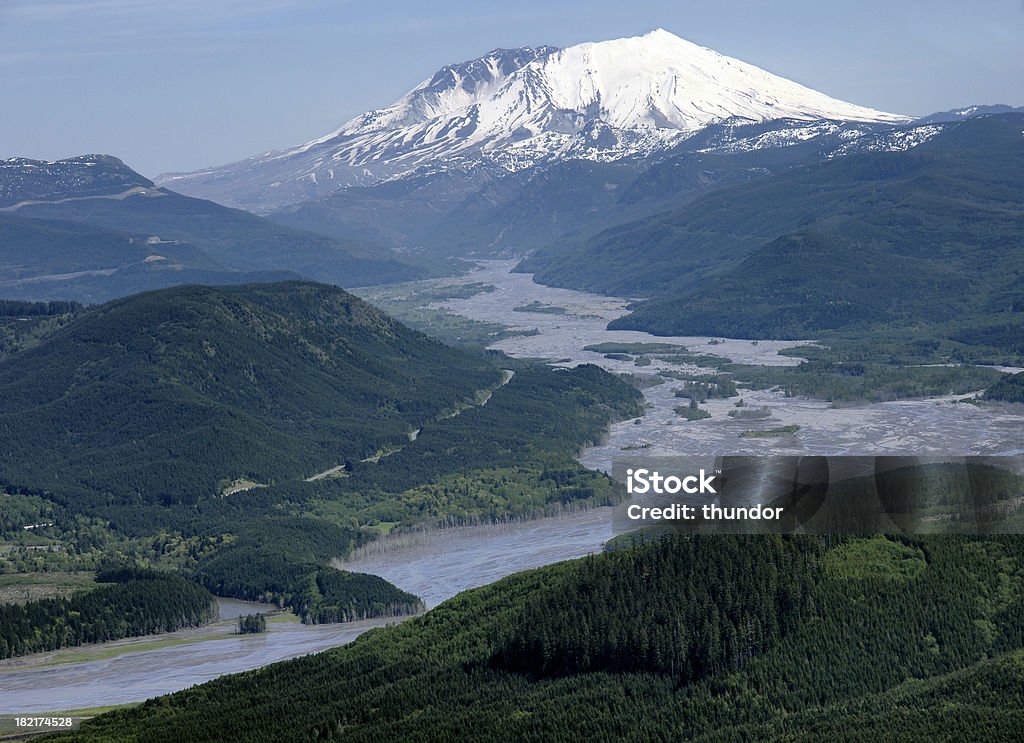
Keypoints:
pixel 136 669
pixel 934 426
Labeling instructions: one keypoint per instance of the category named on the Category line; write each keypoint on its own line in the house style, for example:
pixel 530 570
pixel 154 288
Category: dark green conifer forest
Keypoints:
pixel 706 638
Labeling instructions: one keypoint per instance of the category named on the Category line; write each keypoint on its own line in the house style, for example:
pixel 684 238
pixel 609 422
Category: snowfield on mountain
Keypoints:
pixel 522 107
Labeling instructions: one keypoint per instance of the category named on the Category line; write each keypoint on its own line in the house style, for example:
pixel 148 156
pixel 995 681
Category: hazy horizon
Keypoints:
pixel 201 84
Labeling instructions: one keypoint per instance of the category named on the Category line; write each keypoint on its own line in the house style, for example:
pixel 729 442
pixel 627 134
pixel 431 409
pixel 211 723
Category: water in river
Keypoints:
pixel 139 668
pixel 435 565
pixel 438 565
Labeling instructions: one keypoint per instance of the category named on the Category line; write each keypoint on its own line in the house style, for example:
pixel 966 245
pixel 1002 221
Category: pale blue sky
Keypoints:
pixel 182 84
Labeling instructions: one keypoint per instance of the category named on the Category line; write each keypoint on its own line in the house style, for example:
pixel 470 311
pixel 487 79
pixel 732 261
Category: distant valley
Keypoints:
pixel 925 243
pixel 732 201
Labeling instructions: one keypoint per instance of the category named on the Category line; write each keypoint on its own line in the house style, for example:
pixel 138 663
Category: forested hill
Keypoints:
pixel 708 638
pixel 927 238
pixel 165 397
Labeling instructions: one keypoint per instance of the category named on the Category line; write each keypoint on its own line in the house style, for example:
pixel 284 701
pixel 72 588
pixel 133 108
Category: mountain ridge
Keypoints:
pixel 603 101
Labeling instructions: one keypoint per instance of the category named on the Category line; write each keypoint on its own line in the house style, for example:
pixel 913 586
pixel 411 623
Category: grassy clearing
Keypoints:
pixel 382 528
pixel 283 617
pixel 877 557
pixel 241 485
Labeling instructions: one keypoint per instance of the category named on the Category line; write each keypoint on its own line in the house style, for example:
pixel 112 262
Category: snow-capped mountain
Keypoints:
pixel 513 109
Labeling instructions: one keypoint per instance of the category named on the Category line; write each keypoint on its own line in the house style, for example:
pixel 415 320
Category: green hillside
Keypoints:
pixel 929 239
pixel 706 638
pixel 162 396
pixel 38 247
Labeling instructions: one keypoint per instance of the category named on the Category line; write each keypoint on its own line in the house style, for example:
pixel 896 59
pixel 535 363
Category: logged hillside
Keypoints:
pixel 233 237
pixel 931 236
pixel 166 396
pixel 91 229
pixel 865 638
pixel 46 258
